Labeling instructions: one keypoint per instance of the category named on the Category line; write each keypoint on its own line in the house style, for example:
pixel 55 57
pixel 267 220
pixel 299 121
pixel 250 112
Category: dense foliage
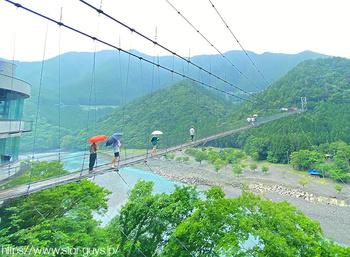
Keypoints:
pixel 172 110
pixel 73 83
pixel 325 83
pixel 177 224
pixel 218 158
pixel 38 170
pixel 54 218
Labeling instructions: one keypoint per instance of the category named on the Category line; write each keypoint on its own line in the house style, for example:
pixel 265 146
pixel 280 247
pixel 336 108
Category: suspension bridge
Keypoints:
pixel 25 189
pixel 31 187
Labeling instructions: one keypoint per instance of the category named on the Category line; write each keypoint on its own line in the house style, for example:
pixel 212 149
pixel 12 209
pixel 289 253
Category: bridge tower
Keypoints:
pixel 303 103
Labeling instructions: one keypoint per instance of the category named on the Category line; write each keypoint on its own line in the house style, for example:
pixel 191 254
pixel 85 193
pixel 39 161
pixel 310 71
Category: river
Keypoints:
pixel 118 183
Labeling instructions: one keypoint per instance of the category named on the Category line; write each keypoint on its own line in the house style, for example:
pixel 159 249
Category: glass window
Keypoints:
pixel 11 105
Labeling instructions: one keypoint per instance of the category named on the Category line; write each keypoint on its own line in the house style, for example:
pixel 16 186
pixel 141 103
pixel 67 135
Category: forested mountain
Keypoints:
pixel 325 84
pixel 172 110
pixel 116 73
pixel 106 80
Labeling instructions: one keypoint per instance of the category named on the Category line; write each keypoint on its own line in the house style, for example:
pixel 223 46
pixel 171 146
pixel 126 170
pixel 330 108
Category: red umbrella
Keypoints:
pixel 98 138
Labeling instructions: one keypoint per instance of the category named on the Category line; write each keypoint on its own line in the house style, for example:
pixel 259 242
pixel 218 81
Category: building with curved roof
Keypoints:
pixel 13 91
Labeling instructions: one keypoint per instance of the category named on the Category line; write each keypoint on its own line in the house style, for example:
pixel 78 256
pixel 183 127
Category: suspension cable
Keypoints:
pixel 133 55
pixel 177 55
pixel 212 45
pixel 246 53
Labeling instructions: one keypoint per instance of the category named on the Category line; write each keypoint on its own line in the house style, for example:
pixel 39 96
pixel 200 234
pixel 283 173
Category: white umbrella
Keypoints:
pixel 157 132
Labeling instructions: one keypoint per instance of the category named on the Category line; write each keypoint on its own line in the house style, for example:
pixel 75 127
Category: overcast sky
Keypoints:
pixel 277 26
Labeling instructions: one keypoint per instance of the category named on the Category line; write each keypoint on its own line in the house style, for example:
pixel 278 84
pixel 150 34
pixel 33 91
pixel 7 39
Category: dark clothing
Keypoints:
pixel 116 154
pixel 93 155
pixel 154 140
pixel 92 160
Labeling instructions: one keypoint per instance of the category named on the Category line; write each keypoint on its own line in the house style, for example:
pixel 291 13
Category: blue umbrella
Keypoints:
pixel 113 138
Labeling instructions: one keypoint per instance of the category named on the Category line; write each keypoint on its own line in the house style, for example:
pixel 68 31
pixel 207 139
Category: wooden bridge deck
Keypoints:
pixel 25 189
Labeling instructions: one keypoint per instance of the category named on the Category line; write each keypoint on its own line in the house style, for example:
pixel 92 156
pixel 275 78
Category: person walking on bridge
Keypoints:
pixel 116 146
pixel 192 133
pixel 93 154
pixel 154 141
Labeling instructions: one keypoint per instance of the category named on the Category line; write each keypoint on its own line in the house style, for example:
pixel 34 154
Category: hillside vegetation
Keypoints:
pixel 325 83
pixel 70 85
pixel 172 110
pixel 62 221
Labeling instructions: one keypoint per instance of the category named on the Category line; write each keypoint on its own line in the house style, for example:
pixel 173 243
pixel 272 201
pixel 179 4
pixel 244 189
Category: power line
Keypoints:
pixel 239 43
pixel 131 54
pixel 212 45
pixel 168 50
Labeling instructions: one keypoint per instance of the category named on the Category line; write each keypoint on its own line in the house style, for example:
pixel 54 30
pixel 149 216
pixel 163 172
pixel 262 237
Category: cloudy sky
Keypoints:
pixel 277 26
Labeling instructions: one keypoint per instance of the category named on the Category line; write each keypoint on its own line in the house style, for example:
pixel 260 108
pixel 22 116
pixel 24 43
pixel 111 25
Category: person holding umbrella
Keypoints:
pixel 114 140
pixel 93 155
pixel 154 141
pixel 94 148
pixel 116 147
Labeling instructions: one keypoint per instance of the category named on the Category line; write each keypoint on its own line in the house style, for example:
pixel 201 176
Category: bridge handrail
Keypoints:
pixel 104 168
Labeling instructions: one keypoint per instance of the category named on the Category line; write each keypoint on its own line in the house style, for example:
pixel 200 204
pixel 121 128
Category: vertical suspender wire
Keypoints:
pixel 59 94
pixel 189 60
pixel 95 100
pixel 155 54
pixel 12 81
pixel 125 95
pixel 172 141
pixel 153 87
pixel 142 91
pixel 89 109
pixel 152 84
pixel 162 142
pixel 239 43
pixel 38 105
pixel 121 87
pixel 92 90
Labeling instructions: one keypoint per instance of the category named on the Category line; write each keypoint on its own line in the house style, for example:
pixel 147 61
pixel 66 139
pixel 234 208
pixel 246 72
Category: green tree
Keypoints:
pixel 218 163
pixel 57 217
pixel 253 166
pixel 200 156
pixel 186 159
pixel 219 226
pixel 178 159
pixel 338 188
pixel 243 166
pixel 39 170
pixel 146 221
pixel 237 169
pixel 255 156
pixel 300 159
pixel 170 156
pixel 303 182
pixel 264 169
